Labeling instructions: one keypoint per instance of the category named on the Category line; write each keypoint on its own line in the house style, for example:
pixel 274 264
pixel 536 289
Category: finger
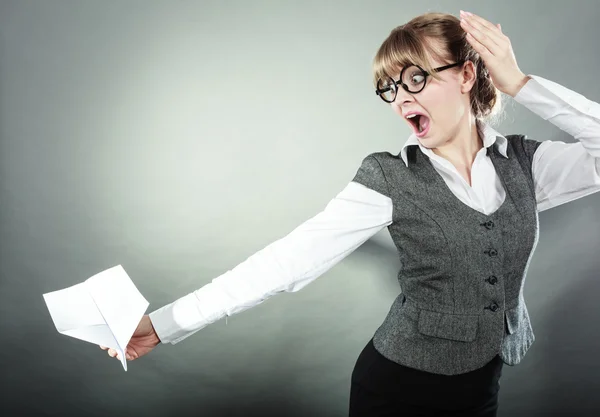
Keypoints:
pixel 478 20
pixel 112 353
pixel 103 347
pixel 478 46
pixel 484 38
pixel 132 353
pixel 485 27
pixel 127 354
pixel 494 31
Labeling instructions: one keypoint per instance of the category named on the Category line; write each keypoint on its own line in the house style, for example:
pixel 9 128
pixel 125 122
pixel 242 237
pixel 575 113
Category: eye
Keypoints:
pixel 417 78
pixel 413 77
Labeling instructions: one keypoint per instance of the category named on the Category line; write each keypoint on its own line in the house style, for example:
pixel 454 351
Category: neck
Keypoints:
pixel 462 148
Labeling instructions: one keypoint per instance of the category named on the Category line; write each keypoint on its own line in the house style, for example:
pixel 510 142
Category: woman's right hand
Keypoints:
pixel 143 340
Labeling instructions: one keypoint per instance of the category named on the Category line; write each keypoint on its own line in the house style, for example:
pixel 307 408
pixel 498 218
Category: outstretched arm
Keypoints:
pixel 286 265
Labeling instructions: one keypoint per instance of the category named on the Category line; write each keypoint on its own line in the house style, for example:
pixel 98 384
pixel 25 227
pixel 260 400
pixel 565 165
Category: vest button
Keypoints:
pixel 494 307
pixel 491 252
pixel 492 279
pixel 489 224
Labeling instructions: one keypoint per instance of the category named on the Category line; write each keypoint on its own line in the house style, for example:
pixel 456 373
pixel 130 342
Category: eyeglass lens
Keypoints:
pixel 412 77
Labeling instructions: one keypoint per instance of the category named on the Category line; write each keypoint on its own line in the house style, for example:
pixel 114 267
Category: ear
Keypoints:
pixel 468 76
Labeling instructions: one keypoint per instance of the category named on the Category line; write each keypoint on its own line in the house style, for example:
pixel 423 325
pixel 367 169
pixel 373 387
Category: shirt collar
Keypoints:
pixel 490 137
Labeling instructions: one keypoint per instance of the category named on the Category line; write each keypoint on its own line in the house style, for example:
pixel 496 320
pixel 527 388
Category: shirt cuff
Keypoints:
pixel 178 320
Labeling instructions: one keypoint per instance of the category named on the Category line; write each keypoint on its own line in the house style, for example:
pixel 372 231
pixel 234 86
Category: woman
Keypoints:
pixel 460 201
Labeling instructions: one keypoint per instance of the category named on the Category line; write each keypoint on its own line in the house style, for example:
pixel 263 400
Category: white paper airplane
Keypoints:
pixel 105 310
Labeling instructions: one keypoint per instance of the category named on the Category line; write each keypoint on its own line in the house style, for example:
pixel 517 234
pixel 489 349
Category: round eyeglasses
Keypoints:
pixel 412 78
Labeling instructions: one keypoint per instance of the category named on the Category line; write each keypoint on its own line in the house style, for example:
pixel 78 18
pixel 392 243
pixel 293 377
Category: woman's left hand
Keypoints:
pixel 495 49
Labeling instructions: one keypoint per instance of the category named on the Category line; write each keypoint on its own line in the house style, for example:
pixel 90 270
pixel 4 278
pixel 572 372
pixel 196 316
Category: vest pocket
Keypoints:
pixel 461 327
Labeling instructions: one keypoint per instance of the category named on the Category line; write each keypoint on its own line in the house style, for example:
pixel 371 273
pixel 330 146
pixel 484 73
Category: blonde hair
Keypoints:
pixel 437 35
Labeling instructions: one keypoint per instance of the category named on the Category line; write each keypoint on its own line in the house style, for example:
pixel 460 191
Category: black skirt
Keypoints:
pixel 381 387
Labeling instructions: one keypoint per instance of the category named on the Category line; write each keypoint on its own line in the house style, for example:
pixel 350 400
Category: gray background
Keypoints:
pixel 177 138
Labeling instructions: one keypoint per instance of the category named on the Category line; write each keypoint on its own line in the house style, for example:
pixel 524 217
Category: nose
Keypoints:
pixel 403 96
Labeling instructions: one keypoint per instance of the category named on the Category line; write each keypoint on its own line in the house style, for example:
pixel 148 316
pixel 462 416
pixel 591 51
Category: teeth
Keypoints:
pixel 411 116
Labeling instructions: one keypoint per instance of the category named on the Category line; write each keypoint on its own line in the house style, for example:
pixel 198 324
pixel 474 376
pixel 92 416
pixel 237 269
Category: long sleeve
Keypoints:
pixel 564 172
pixel 288 264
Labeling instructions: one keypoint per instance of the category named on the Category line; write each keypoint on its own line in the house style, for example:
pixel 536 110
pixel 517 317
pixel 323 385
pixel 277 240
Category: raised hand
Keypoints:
pixel 495 49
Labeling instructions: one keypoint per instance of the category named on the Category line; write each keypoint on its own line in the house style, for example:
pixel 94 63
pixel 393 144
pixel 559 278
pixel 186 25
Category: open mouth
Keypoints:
pixel 415 121
pixel 419 122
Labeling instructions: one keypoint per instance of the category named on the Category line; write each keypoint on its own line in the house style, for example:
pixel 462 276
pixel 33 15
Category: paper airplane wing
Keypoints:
pixel 119 302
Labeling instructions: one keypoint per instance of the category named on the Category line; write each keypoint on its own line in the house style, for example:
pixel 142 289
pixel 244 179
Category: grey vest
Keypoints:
pixel 462 271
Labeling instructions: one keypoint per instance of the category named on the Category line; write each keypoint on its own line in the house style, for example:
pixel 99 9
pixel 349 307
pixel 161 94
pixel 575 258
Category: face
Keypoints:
pixel 445 104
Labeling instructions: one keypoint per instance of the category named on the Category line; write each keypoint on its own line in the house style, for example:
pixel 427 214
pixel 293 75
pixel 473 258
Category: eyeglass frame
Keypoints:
pixel 379 92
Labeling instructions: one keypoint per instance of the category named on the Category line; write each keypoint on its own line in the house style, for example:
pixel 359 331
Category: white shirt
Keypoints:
pixel 562 172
